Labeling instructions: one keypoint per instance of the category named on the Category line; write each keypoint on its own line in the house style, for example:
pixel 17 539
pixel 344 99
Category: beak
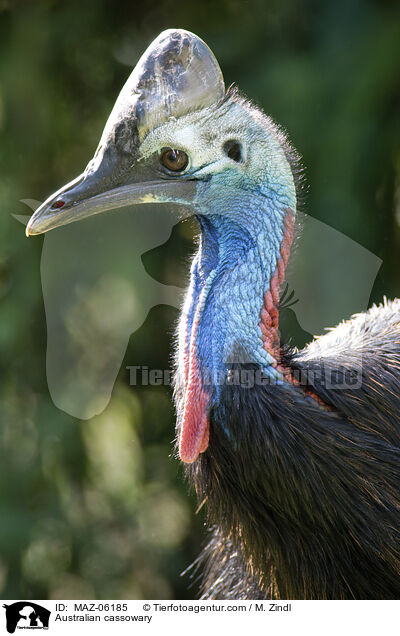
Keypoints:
pixel 90 194
pixel 177 74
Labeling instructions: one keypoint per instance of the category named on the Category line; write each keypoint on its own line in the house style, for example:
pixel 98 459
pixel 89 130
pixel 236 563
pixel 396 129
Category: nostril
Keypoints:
pixel 58 204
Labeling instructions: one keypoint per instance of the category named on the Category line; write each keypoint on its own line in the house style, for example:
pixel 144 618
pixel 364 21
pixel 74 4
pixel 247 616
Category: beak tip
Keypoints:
pixel 29 231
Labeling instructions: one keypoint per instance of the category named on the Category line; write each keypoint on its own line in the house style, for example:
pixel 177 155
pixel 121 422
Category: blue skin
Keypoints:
pixel 236 260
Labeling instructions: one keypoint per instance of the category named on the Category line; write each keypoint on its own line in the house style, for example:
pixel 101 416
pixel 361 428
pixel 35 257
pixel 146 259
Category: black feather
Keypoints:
pixel 304 499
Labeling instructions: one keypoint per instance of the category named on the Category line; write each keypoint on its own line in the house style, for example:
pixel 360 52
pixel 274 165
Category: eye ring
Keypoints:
pixel 173 159
pixel 233 149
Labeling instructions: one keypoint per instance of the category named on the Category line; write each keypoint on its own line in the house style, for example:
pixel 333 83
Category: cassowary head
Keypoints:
pixel 176 135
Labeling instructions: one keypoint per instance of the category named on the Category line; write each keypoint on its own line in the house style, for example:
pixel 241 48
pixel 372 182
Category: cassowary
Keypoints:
pixel 299 469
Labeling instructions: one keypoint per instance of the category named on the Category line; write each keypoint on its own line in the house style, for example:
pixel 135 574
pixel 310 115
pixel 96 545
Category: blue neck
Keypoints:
pixel 230 274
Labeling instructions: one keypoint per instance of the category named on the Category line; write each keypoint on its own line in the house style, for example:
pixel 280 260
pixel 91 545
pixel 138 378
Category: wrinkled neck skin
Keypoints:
pixel 231 273
pixel 237 264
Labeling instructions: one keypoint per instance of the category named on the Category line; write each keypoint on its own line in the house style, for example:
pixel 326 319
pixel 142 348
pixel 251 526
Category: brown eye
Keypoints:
pixel 173 159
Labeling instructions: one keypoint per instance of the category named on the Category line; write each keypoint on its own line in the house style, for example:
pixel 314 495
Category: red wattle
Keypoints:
pixel 195 427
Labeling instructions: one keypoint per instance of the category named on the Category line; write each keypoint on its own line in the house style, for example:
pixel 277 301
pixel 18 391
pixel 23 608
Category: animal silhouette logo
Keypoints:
pixel 96 296
pixel 26 615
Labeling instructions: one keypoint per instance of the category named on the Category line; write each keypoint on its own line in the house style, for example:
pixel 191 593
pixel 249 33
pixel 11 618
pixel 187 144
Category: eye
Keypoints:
pixel 233 150
pixel 173 159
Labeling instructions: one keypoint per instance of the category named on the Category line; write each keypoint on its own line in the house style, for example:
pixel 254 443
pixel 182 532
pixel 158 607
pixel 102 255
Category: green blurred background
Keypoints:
pixel 99 509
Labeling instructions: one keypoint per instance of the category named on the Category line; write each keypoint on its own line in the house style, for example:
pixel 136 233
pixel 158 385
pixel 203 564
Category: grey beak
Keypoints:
pixel 78 200
pixel 176 75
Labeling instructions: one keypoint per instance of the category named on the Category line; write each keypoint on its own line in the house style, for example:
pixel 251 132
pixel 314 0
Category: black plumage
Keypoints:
pixel 306 504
